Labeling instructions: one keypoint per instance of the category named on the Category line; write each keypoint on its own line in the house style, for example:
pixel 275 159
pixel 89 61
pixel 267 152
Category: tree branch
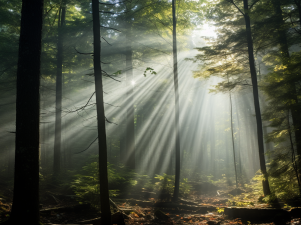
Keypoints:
pixel 110 121
pixel 253 4
pixel 108 75
pixel 106 40
pixel 110 28
pixel 88 146
pixel 232 2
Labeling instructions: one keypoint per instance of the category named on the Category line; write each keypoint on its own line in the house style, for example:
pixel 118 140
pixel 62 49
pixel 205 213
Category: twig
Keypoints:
pixel 111 104
pixel 102 3
pixel 108 75
pixel 110 121
pixel 110 28
pixel 106 41
pixel 82 52
pixel 88 146
pixel 83 107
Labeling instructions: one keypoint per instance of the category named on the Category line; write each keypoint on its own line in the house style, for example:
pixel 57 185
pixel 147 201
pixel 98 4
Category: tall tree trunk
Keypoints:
pixel 177 116
pixel 295 166
pixel 25 208
pixel 265 183
pixel 122 145
pixel 130 114
pixel 101 126
pixel 295 111
pixel 233 144
pixel 58 103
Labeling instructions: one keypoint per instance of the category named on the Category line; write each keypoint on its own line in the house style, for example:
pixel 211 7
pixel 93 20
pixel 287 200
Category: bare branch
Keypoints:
pixel 110 121
pixel 108 75
pixel 111 104
pixel 102 3
pixel 106 41
pixel 108 12
pixel 110 28
pixel 83 107
pixel 88 146
pixel 82 52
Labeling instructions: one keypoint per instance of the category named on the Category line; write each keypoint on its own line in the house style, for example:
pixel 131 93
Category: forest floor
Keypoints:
pixel 206 209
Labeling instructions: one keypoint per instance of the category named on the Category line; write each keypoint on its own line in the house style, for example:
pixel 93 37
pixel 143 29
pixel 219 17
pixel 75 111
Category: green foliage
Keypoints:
pixel 283 187
pixel 86 184
pixel 166 184
pixel 117 72
pixel 236 201
pixel 121 181
pixel 150 70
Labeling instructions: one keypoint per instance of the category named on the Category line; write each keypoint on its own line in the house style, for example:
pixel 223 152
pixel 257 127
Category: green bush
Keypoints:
pixel 283 187
pixel 86 184
pixel 166 184
pixel 121 181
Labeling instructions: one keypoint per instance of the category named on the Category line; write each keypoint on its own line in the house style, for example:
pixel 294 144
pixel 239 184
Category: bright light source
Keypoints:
pixel 133 82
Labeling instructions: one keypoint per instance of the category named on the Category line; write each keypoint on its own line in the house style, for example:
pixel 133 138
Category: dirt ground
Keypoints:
pixel 211 210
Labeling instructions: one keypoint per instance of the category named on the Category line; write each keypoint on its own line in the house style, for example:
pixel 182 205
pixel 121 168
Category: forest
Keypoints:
pixel 120 112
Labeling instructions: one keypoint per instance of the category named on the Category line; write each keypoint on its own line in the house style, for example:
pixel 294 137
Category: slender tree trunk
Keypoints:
pixel 25 208
pixel 101 126
pixel 240 178
pixel 265 183
pixel 58 103
pixel 177 114
pixel 295 166
pixel 212 147
pixel 233 145
pixel 130 115
pixel 122 146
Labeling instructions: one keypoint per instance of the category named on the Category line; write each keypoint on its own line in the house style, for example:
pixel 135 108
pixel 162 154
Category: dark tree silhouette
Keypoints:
pixel 101 126
pixel 58 103
pixel 25 208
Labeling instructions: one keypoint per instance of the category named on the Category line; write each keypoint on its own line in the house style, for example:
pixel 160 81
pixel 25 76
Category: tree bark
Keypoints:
pixel 58 102
pixel 101 126
pixel 265 183
pixel 25 208
pixel 130 113
pixel 232 135
pixel 177 114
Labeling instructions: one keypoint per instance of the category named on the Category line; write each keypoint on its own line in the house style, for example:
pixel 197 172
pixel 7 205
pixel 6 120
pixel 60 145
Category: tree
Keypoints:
pixel 285 58
pixel 265 182
pixel 101 126
pixel 58 106
pixel 233 51
pixel 232 135
pixel 25 208
pixel 177 111
pixel 130 145
pixel 282 88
